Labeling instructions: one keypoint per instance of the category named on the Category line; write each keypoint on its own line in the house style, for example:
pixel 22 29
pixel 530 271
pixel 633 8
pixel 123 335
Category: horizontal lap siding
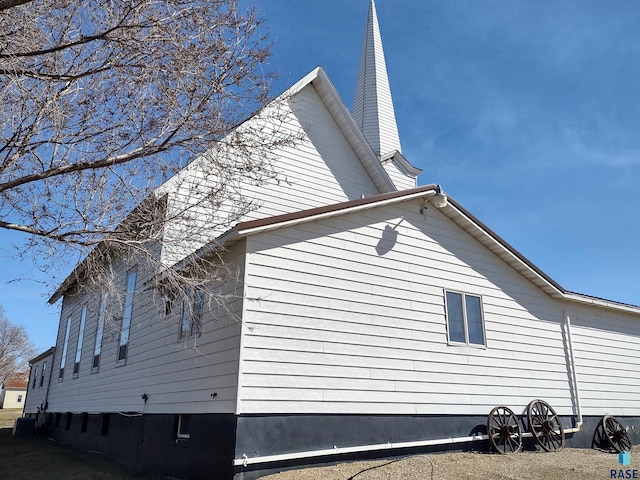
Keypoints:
pixel 607 351
pixel 177 376
pixel 333 327
pixel 319 169
pixel 400 179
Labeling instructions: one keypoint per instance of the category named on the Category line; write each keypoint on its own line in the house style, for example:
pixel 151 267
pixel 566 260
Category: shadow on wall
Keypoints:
pixel 388 239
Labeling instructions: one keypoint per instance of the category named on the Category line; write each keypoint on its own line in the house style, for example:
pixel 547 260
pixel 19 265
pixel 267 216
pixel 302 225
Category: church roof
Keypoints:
pixel 373 107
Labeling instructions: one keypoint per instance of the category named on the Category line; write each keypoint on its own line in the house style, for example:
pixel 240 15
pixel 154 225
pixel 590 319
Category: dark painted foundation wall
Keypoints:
pixel 150 443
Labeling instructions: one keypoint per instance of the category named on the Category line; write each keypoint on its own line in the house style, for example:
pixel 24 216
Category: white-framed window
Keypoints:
pixel 126 316
pixel 83 320
pixel 35 377
pixel 191 319
pixel 97 348
pixel 183 429
pixel 44 369
pixel 465 318
pixel 19 400
pixel 65 345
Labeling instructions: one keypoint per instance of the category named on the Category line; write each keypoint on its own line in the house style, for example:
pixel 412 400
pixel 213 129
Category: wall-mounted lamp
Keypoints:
pixel 144 397
pixel 439 200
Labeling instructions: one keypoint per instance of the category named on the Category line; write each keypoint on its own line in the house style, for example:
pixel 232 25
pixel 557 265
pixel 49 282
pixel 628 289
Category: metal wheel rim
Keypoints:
pixel 616 434
pixel 545 425
pixel 503 430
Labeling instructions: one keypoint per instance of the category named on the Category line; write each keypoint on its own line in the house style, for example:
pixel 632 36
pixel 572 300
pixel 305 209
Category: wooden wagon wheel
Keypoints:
pixel 616 434
pixel 600 440
pixel 503 430
pixel 545 425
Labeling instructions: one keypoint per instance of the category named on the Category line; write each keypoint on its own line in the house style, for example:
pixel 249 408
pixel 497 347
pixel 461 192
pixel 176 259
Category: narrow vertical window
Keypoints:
pixel 126 317
pixel 44 369
pixel 35 377
pixel 455 317
pixel 191 320
pixel 465 323
pixel 65 345
pixel 99 332
pixel 184 322
pixel 196 314
pixel 83 320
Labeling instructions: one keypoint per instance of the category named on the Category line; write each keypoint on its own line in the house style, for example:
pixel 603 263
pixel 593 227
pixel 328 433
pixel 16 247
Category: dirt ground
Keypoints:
pixel 567 464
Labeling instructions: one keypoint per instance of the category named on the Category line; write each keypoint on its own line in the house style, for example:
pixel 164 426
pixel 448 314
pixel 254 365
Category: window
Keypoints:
pixel 183 429
pixel 104 424
pixel 465 322
pixel 83 320
pixel 64 348
pixel 85 422
pixel 44 369
pixel 99 332
pixel 35 377
pixel 19 400
pixel 191 322
pixel 126 316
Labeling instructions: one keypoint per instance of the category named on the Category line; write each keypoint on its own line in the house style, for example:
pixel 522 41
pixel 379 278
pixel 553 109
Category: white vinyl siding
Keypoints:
pixel 176 376
pixel 399 177
pixel 607 355
pixel 332 326
pixel 320 169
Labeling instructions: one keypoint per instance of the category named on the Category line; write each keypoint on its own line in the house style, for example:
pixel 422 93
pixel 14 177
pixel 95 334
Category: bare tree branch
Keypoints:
pixel 15 348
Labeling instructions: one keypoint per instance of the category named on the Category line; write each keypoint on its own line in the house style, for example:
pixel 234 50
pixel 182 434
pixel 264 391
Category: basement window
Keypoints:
pixel 105 421
pixel 465 319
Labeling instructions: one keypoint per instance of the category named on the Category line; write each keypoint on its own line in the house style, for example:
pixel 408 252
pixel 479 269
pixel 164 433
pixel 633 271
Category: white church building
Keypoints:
pixel 374 317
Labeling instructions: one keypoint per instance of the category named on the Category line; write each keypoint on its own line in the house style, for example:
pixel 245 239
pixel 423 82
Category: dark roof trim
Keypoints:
pixel 42 355
pixel 328 209
pixel 507 246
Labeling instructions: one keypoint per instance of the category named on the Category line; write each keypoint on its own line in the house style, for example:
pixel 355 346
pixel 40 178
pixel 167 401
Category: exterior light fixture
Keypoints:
pixel 439 200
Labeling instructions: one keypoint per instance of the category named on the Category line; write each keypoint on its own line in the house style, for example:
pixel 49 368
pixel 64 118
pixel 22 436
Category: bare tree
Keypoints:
pixel 15 348
pixel 102 101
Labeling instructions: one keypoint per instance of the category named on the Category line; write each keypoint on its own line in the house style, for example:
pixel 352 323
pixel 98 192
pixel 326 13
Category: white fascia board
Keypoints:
pixel 402 163
pixel 601 302
pixel 352 133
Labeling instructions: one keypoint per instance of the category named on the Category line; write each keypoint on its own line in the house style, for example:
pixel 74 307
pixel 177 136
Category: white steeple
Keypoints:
pixel 372 105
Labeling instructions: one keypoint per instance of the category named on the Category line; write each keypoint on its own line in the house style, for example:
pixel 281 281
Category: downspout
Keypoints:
pixel 574 376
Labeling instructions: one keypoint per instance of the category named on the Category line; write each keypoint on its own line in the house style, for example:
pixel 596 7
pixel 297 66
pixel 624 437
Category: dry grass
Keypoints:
pixel 567 464
pixel 7 417
pixel 42 459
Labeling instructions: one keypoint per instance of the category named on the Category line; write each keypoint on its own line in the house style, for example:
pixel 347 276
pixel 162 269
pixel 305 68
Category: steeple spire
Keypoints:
pixel 372 105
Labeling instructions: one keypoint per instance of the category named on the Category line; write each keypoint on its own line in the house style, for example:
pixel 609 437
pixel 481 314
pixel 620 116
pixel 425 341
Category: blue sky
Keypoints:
pixel 527 113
